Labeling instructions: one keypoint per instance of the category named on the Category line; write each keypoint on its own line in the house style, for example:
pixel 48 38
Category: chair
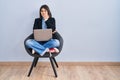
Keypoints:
pixel 46 55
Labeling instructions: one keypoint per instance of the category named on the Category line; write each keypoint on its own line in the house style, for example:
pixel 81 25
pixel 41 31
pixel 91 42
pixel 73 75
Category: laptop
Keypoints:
pixel 42 34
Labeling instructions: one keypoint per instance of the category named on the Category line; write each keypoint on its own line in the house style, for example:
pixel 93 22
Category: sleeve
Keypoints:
pixel 35 24
pixel 51 24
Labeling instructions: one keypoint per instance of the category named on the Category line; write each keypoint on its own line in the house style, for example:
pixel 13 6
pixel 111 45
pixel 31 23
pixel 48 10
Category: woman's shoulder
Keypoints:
pixel 51 19
pixel 38 19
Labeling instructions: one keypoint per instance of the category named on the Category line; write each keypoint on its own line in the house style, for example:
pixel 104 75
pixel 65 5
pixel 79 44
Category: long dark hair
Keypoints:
pixel 48 10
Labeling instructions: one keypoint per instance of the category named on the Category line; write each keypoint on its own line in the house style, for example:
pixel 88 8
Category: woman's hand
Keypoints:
pixel 54 32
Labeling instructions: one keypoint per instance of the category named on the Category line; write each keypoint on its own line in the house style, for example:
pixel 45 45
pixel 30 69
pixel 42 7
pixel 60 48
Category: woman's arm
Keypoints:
pixel 35 24
pixel 51 24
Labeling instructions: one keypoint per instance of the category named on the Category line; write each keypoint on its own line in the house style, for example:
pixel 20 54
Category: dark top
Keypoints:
pixel 50 24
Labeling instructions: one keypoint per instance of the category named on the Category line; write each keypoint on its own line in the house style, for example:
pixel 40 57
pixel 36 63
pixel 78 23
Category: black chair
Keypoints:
pixel 46 55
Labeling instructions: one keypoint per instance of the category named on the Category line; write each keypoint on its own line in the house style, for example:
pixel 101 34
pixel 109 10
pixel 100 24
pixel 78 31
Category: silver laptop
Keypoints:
pixel 42 34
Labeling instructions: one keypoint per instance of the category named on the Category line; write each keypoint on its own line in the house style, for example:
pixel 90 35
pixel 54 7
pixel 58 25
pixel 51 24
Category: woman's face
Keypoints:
pixel 44 12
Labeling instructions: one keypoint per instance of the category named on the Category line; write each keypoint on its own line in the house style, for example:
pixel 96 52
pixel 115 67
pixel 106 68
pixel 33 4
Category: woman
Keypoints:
pixel 46 21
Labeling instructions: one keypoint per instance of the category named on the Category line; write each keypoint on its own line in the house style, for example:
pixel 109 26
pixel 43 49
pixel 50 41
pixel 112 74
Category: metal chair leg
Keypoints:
pixel 36 61
pixel 55 61
pixel 51 60
pixel 33 63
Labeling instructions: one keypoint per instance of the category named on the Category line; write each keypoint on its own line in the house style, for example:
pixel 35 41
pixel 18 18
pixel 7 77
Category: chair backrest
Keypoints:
pixel 56 35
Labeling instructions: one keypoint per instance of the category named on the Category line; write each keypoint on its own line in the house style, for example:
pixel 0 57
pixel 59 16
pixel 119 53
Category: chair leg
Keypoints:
pixel 51 60
pixel 55 61
pixel 33 63
pixel 36 61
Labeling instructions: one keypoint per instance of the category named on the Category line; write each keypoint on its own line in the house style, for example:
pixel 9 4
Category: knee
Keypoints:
pixel 29 42
pixel 57 42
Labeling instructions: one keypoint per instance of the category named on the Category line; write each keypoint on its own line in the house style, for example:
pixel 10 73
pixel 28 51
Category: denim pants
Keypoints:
pixel 40 47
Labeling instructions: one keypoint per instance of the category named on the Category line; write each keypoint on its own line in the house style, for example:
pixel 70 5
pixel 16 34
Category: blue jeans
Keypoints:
pixel 40 47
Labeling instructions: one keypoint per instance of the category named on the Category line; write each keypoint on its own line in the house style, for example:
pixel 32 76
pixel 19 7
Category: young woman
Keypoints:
pixel 45 21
